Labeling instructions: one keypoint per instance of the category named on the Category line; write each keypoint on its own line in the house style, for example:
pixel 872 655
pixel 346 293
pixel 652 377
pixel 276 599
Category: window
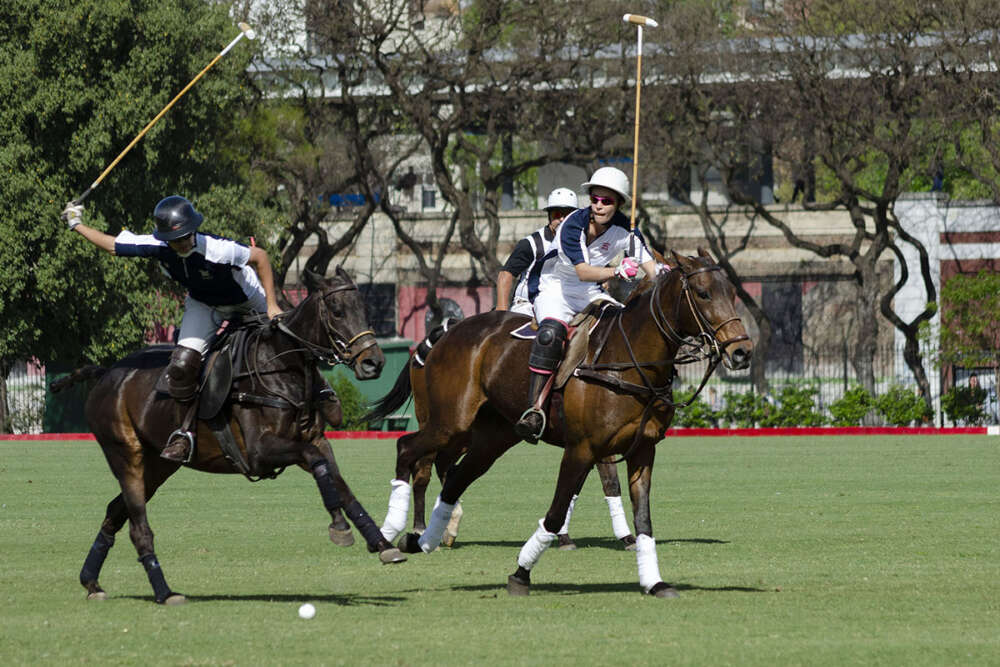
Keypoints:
pixel 429 199
pixel 380 308
pixel 782 302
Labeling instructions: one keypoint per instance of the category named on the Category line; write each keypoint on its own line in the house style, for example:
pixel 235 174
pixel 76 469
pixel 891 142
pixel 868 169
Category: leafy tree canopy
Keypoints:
pixel 79 80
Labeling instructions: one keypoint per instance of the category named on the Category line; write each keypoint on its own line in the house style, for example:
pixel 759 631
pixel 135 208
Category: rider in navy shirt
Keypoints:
pixel 223 278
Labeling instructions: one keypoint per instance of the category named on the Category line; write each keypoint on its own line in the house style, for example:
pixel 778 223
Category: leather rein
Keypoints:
pixel 703 346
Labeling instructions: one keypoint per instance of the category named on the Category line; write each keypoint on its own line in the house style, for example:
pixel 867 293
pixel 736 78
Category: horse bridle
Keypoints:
pixel 708 334
pixel 341 348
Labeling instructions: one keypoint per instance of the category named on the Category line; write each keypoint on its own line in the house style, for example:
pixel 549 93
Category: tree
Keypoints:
pixel 78 81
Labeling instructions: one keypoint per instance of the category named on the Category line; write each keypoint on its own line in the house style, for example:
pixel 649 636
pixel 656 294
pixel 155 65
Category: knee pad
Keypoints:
pixel 547 349
pixel 182 373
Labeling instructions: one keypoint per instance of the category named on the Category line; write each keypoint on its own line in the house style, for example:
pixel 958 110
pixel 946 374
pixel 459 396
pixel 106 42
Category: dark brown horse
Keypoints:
pixel 273 408
pixel 473 385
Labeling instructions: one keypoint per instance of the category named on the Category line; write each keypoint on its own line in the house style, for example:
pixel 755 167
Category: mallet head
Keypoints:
pixel 640 20
pixel 248 32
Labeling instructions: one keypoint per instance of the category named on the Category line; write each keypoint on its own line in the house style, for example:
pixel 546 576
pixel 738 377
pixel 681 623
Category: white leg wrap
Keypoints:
pixel 440 517
pixel 569 512
pixel 645 555
pixel 619 524
pixel 399 509
pixel 535 546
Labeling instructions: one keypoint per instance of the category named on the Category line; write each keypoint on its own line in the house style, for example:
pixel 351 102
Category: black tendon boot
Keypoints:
pixel 546 354
pixel 182 383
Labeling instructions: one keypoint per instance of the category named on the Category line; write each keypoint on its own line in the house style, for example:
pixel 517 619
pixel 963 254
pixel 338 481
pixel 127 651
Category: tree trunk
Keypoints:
pixel 5 426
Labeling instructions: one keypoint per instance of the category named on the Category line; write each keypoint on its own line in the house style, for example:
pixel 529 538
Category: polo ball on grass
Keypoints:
pixel 307 611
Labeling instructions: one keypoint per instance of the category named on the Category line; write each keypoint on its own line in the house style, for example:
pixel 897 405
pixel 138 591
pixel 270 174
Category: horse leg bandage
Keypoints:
pixel 156 579
pixel 569 512
pixel 95 559
pixel 356 513
pixel 440 517
pixel 331 499
pixel 645 555
pixel 619 524
pixel 399 509
pixel 535 546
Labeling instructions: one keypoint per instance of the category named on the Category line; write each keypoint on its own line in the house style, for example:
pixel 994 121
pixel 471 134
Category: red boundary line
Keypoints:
pixel 678 432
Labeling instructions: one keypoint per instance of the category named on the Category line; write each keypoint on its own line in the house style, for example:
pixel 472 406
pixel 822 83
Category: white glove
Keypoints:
pixel 627 269
pixel 72 214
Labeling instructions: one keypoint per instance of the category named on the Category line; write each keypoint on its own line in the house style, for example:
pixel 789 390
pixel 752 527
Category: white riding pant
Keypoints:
pixel 561 301
pixel 200 321
pixel 522 306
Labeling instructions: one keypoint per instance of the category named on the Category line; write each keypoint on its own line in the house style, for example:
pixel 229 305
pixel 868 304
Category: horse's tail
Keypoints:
pixel 392 401
pixel 79 375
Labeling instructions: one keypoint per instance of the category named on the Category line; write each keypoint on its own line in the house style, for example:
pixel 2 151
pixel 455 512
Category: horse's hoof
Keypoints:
pixel 409 544
pixel 342 538
pixel 174 599
pixel 447 540
pixel 629 542
pixel 566 542
pixel 391 555
pixel 518 587
pixel 97 595
pixel 663 590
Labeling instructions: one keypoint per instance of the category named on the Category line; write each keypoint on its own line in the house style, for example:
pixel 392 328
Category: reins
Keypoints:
pixel 704 346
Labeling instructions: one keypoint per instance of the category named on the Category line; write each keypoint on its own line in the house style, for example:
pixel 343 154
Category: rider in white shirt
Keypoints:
pixel 222 277
pixel 569 279
pixel 530 251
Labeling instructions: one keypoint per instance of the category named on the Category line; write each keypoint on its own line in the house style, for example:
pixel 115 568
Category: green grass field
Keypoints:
pixel 786 551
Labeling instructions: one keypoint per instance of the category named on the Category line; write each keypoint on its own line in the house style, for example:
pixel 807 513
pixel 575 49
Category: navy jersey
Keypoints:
pixel 528 251
pixel 215 272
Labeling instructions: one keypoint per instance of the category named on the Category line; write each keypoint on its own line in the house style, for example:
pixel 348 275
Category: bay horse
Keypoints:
pixel 273 410
pixel 618 402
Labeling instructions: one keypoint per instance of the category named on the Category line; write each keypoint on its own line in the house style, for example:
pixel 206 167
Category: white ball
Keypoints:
pixel 307 611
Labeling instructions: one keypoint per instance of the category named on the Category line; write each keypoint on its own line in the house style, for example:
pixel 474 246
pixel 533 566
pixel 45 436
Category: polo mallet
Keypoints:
pixel 245 31
pixel 639 22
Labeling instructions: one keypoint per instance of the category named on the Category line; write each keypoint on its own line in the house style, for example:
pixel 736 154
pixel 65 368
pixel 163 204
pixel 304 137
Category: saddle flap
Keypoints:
pixel 218 380
pixel 576 350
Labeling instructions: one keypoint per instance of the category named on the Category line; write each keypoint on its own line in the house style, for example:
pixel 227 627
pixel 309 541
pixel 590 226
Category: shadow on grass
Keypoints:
pixel 622 587
pixel 343 600
pixel 585 542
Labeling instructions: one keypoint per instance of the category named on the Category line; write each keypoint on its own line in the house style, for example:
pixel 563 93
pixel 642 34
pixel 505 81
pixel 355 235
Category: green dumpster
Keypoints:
pixel 397 355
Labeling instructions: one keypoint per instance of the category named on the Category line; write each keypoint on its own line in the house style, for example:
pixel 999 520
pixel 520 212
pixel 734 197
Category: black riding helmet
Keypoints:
pixel 175 217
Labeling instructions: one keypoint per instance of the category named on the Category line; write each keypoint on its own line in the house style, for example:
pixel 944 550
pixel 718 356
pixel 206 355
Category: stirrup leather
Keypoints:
pixel 190 439
pixel 541 413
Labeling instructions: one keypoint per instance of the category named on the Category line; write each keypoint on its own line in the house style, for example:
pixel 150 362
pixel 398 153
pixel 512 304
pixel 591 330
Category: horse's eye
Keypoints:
pixel 702 294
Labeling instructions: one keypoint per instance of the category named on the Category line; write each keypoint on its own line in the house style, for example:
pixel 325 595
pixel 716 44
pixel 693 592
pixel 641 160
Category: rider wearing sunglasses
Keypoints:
pixel 569 278
pixel 223 278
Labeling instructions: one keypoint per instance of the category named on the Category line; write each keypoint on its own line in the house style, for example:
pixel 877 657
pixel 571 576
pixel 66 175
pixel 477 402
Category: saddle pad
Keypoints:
pixel 218 381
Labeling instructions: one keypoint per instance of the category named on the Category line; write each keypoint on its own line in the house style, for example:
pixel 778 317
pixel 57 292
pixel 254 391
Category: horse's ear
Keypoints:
pixel 680 259
pixel 704 253
pixel 312 280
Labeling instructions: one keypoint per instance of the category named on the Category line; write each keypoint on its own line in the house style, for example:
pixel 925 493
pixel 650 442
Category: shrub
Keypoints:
pixel 796 407
pixel 964 405
pixel 901 406
pixel 352 403
pixel 852 407
pixel 744 410
pixel 696 415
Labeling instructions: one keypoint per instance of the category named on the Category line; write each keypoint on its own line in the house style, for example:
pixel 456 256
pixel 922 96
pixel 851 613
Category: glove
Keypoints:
pixel 72 214
pixel 627 269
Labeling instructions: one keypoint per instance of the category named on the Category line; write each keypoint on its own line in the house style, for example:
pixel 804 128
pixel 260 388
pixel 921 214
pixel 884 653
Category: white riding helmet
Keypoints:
pixel 562 198
pixel 610 178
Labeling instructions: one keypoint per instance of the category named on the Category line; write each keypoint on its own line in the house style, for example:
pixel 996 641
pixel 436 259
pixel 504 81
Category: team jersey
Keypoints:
pixel 528 251
pixel 571 248
pixel 215 272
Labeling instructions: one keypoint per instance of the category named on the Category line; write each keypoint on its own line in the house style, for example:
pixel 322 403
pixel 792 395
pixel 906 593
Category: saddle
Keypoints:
pixel 580 328
pixel 225 360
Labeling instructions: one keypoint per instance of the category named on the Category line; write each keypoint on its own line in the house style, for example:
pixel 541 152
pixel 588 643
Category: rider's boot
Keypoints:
pixel 546 353
pixel 182 383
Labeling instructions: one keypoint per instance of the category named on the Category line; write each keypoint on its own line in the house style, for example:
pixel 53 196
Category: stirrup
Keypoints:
pixel 190 439
pixel 532 437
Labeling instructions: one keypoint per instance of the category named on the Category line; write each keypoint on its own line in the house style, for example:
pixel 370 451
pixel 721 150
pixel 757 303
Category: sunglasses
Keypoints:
pixel 603 201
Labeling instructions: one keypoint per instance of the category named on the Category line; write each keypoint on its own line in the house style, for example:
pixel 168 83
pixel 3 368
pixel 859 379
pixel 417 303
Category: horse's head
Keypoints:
pixel 334 314
pixel 706 309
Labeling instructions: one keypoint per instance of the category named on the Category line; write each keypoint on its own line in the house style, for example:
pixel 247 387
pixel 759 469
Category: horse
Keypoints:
pixel 270 416
pixel 617 403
